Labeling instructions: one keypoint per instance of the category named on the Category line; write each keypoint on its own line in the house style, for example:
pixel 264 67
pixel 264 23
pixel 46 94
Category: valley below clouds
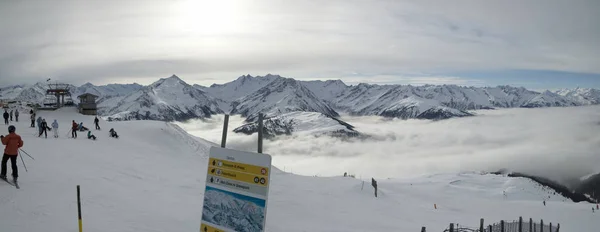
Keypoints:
pixel 562 144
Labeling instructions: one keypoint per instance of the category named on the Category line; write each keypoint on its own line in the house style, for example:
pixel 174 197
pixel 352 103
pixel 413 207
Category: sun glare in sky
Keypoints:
pixel 207 17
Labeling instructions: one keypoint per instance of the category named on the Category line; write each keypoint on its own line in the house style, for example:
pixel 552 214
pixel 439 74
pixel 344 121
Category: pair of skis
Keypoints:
pixel 13 183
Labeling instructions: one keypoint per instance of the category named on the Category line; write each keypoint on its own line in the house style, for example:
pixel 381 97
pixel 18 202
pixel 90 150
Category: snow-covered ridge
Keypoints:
pixel 585 96
pixel 167 99
pixel 280 96
pixel 311 123
pixel 274 95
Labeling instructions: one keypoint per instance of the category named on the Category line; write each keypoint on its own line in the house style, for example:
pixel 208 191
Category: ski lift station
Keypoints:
pixel 87 104
pixel 57 95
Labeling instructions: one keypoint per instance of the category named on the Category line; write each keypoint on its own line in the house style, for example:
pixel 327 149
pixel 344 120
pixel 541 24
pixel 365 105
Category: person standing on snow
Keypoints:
pixel 74 129
pixel 44 127
pixel 55 128
pixel 5 115
pixel 12 142
pixel 11 115
pixel 17 115
pixel 97 121
pixel 32 121
pixel 39 123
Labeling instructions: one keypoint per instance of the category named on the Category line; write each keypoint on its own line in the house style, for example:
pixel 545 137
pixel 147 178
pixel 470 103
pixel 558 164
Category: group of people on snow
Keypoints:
pixel 43 126
pixel 8 115
pixel 13 141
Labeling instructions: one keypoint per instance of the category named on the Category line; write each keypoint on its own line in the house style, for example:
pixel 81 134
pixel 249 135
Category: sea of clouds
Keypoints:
pixel 558 143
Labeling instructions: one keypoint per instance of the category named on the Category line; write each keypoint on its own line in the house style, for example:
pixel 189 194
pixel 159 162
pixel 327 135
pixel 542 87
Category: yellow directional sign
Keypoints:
pixel 207 228
pixel 248 168
pixel 239 176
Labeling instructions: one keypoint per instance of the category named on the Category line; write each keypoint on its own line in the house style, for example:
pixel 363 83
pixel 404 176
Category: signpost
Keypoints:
pixel 236 192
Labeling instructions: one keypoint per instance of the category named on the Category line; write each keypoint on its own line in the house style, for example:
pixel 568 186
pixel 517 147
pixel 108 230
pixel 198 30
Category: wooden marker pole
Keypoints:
pixel 260 133
pixel 224 138
pixel 520 224
pixel 79 208
pixel 531 225
pixel 481 225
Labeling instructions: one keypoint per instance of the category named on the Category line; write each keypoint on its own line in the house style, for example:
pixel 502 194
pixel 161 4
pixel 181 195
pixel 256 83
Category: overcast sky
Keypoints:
pixel 536 44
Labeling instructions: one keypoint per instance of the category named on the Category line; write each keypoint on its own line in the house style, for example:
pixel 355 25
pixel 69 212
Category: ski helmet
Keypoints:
pixel 11 129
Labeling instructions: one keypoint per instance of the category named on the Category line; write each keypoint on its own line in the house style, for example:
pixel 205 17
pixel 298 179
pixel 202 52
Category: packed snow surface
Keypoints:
pixel 152 179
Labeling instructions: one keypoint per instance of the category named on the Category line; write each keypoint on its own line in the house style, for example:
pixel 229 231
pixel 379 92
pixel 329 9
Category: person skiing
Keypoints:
pixel 31 111
pixel 32 121
pixel 113 133
pixel 74 130
pixel 5 115
pixel 44 127
pixel 91 136
pixel 55 127
pixel 12 142
pixel 17 115
pixel 97 121
pixel 11 115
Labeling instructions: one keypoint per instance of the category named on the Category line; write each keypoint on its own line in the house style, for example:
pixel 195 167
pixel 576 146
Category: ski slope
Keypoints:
pixel 152 179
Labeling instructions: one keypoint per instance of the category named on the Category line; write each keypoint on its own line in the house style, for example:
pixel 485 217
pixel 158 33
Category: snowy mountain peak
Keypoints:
pixel 240 87
pixel 166 99
pixel 282 95
pixel 88 84
pixel 271 76
pixel 170 81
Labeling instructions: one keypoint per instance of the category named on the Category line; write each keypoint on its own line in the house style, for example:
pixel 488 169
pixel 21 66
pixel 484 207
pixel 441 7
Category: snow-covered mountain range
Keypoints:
pixel 174 99
pixel 37 93
pixel 168 99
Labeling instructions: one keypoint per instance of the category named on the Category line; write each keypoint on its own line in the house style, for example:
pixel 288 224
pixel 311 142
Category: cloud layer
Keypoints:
pixel 558 143
pixel 215 41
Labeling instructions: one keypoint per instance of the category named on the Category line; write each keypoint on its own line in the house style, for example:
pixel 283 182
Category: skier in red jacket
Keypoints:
pixel 12 142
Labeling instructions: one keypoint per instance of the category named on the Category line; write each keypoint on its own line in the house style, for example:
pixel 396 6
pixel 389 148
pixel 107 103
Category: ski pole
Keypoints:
pixel 27 154
pixel 23 163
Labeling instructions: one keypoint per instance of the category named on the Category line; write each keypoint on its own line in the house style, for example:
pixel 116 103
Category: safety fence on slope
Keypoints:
pixel 504 226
